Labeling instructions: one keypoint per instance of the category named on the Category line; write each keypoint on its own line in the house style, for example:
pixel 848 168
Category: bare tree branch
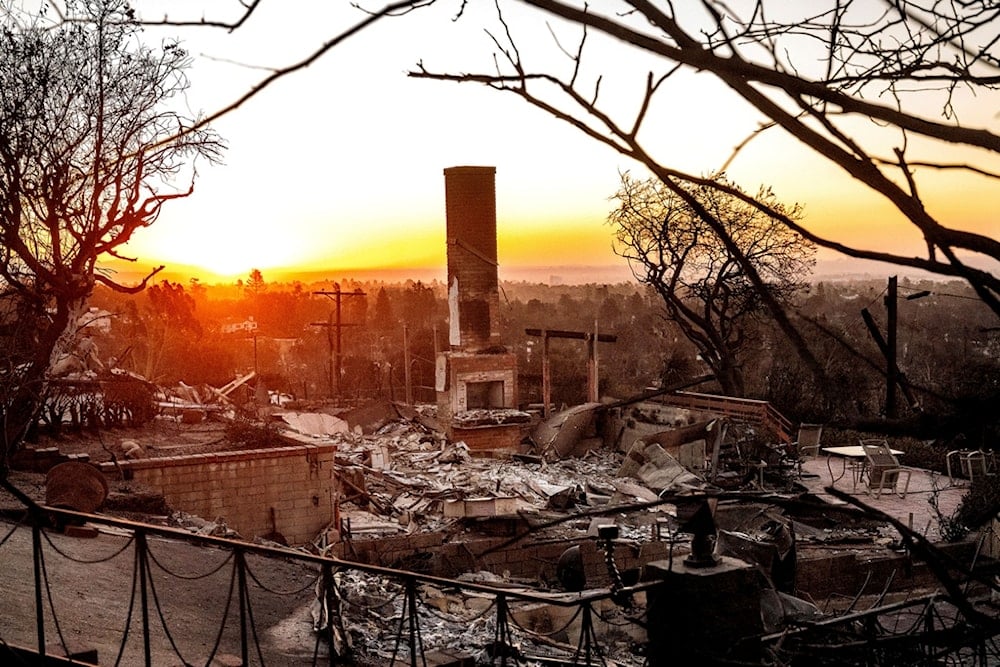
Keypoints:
pixel 859 55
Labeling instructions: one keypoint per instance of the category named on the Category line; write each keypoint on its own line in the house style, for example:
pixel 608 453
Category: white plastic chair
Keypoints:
pixel 971 462
pixel 884 471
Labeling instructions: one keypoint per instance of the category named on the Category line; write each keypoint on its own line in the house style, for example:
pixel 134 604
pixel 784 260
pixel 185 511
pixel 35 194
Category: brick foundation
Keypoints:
pixel 243 487
pixel 491 440
pixel 443 555
pixel 820 576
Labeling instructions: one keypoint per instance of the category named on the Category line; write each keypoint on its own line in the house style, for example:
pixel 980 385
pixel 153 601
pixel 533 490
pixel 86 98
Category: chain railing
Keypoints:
pixel 144 600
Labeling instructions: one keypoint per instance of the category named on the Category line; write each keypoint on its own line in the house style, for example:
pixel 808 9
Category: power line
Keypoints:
pixel 945 294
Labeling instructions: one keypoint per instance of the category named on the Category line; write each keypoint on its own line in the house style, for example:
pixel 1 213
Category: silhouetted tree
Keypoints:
pixel 255 285
pixel 169 326
pixel 88 155
pixel 417 305
pixel 700 275
pixel 383 316
pixel 816 71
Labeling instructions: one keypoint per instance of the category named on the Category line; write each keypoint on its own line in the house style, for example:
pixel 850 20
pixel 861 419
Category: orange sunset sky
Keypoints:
pixel 339 167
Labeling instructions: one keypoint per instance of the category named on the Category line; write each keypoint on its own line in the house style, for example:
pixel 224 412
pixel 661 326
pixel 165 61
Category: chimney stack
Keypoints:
pixel 476 378
pixel 473 292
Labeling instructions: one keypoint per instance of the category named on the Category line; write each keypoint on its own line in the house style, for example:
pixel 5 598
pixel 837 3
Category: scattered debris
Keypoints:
pixel 409 497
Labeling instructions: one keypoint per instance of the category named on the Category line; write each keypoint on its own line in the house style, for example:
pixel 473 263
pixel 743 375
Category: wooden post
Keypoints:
pixel 592 340
pixel 546 376
pixel 592 390
pixel 406 362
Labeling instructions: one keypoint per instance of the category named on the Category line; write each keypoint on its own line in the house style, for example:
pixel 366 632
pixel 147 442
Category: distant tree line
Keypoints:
pixel 948 347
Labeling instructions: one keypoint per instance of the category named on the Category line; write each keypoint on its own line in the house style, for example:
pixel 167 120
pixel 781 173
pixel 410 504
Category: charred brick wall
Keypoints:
pixel 474 299
pixel 445 555
pixel 243 487
pixel 455 370
pixel 491 440
pixel 821 576
pixel 442 555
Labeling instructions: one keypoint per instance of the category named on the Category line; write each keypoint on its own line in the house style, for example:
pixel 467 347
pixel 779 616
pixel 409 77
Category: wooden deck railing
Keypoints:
pixel 761 413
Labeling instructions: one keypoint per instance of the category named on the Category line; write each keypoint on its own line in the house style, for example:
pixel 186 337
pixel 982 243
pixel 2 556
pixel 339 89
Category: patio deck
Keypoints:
pixel 914 509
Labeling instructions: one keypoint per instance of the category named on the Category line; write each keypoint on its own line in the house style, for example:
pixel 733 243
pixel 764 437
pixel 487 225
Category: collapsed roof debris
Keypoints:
pixel 314 423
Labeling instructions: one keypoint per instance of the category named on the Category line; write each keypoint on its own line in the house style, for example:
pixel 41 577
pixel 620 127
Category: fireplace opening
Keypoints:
pixel 484 395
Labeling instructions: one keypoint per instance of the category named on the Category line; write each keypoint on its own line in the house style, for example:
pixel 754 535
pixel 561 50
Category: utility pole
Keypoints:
pixel 892 370
pixel 335 324
pixel 593 395
pixel 255 351
pixel 406 363
pixel 889 347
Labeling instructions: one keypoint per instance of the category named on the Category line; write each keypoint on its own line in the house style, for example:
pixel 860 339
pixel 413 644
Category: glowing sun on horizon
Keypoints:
pixel 226 254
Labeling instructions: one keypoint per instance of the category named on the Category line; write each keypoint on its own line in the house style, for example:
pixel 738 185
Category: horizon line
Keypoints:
pixel 834 268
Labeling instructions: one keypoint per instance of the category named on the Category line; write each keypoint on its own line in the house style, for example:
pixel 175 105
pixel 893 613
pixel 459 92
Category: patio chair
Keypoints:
pixel 972 462
pixel 883 469
pixel 806 444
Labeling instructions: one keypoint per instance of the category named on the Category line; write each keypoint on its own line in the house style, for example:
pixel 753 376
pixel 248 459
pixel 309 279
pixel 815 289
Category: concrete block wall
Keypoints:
pixel 42 459
pixel 243 487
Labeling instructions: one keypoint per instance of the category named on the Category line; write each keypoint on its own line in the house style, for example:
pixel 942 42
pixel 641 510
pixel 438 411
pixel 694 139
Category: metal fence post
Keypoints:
pixel 328 599
pixel 141 549
pixel 501 637
pixel 241 576
pixel 408 615
pixel 588 637
pixel 36 554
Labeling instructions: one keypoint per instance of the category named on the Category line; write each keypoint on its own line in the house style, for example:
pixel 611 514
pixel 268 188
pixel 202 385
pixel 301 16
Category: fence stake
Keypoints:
pixel 36 552
pixel 241 574
pixel 141 555
pixel 502 638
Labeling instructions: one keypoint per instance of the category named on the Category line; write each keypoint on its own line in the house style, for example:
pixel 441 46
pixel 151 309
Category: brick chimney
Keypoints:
pixel 477 374
pixel 473 294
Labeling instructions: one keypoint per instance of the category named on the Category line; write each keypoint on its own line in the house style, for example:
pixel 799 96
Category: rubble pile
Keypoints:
pixel 464 622
pixel 484 417
pixel 402 479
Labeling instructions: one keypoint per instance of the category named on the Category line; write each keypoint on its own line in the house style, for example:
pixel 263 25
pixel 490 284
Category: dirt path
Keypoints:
pixel 90 584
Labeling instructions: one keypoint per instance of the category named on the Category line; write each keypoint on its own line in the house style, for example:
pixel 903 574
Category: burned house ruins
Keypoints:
pixel 476 378
pixel 670 528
